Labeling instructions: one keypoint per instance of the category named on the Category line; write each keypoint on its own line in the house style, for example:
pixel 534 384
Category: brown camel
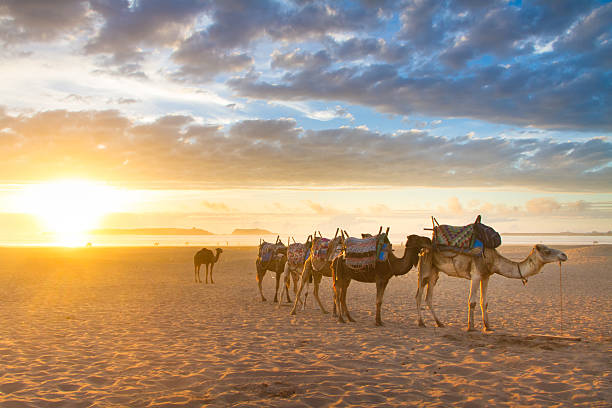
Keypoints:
pixel 205 257
pixel 271 257
pixel 478 269
pixel 379 274
pixel 315 268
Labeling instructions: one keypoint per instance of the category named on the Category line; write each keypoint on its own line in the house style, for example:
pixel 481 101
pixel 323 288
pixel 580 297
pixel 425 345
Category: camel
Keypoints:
pixel 379 274
pixel 296 256
pixel 478 269
pixel 276 264
pixel 205 257
pixel 316 267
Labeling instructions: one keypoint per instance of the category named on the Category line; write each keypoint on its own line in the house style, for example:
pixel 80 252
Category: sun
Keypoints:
pixel 70 208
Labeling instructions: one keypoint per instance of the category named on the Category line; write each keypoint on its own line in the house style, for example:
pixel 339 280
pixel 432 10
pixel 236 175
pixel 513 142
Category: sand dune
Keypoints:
pixel 128 327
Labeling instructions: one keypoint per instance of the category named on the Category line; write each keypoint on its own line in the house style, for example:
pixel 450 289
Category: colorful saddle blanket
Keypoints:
pixel 267 251
pixel 458 237
pixel 320 249
pixel 296 254
pixel 364 253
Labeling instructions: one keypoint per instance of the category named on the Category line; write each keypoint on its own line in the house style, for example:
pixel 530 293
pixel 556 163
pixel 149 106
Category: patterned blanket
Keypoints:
pixel 458 237
pixel 364 253
pixel 320 249
pixel 296 254
pixel 267 251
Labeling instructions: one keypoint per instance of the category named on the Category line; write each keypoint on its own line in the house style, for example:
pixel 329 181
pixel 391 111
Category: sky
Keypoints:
pixel 295 115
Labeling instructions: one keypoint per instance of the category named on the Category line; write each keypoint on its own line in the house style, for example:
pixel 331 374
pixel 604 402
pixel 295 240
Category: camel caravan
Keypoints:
pixel 467 252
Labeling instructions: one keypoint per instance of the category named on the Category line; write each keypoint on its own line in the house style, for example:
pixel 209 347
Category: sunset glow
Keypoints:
pixel 69 208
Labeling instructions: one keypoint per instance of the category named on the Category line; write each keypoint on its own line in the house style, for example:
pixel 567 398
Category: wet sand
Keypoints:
pixel 110 327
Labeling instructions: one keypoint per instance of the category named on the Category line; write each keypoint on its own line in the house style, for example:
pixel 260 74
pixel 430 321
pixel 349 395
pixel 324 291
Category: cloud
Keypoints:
pixel 454 205
pixel 456 59
pixel 518 95
pixel 217 207
pixel 320 209
pixel 177 149
pixel 40 20
pixel 541 206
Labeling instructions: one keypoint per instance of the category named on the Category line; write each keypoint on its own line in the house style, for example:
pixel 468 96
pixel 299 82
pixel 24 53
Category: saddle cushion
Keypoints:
pixel 458 237
pixel 363 253
pixel 296 254
pixel 267 251
pixel 319 248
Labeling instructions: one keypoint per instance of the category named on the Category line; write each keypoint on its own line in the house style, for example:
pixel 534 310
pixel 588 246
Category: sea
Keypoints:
pixel 231 240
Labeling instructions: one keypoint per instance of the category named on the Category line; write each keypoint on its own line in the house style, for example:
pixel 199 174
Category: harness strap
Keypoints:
pixel 523 279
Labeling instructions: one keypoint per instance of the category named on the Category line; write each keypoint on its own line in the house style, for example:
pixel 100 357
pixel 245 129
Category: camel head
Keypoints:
pixel 414 245
pixel 545 254
pixel 417 241
pixel 219 250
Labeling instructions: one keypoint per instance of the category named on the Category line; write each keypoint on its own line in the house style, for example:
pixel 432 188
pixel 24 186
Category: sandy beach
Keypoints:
pixel 128 327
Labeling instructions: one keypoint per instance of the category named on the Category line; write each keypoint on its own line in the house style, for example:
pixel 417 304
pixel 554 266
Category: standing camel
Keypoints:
pixel 478 270
pixel 380 274
pixel 296 256
pixel 205 257
pixel 317 266
pixel 271 257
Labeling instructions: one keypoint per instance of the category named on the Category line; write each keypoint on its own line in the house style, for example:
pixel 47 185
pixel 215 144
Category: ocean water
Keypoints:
pixel 253 240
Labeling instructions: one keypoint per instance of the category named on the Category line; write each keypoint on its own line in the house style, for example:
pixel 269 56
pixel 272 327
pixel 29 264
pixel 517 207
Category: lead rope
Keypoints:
pixel 523 279
pixel 561 295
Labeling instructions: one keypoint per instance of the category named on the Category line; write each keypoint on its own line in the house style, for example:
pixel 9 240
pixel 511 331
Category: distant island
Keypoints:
pixel 151 231
pixel 564 234
pixel 252 231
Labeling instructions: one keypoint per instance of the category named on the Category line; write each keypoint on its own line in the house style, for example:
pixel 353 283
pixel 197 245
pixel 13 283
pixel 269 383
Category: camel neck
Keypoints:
pixel 515 270
pixel 401 266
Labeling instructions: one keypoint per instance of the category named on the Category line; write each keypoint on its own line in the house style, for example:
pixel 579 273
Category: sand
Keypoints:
pixel 110 327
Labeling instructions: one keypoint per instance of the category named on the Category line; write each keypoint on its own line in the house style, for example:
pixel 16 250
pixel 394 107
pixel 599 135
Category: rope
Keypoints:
pixel 518 266
pixel 561 295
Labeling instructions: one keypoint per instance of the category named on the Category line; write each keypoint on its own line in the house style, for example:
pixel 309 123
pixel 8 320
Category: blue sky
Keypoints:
pixel 478 106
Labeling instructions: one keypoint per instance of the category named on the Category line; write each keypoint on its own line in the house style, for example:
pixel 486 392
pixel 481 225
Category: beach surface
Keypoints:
pixel 128 327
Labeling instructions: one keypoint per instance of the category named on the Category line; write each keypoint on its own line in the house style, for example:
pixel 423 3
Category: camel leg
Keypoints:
pixel 211 268
pixel 315 292
pixel 429 297
pixel 381 285
pixel 278 276
pixel 260 275
pixel 337 302
pixel 419 297
pixel 196 273
pixel 284 276
pixel 295 277
pixel 206 278
pixel 472 301
pixel 484 303
pixel 338 288
pixel 343 300
pixel 304 278
pixel 288 273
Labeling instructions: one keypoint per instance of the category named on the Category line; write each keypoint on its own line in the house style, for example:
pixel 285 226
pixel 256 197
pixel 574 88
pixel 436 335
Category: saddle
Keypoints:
pixel 296 254
pixel 320 249
pixel 469 239
pixel 268 251
pixel 365 252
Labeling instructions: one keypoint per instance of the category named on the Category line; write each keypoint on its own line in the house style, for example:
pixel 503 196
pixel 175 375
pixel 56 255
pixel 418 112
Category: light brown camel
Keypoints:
pixel 205 257
pixel 316 267
pixel 296 256
pixel 379 274
pixel 478 269
pixel 275 263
